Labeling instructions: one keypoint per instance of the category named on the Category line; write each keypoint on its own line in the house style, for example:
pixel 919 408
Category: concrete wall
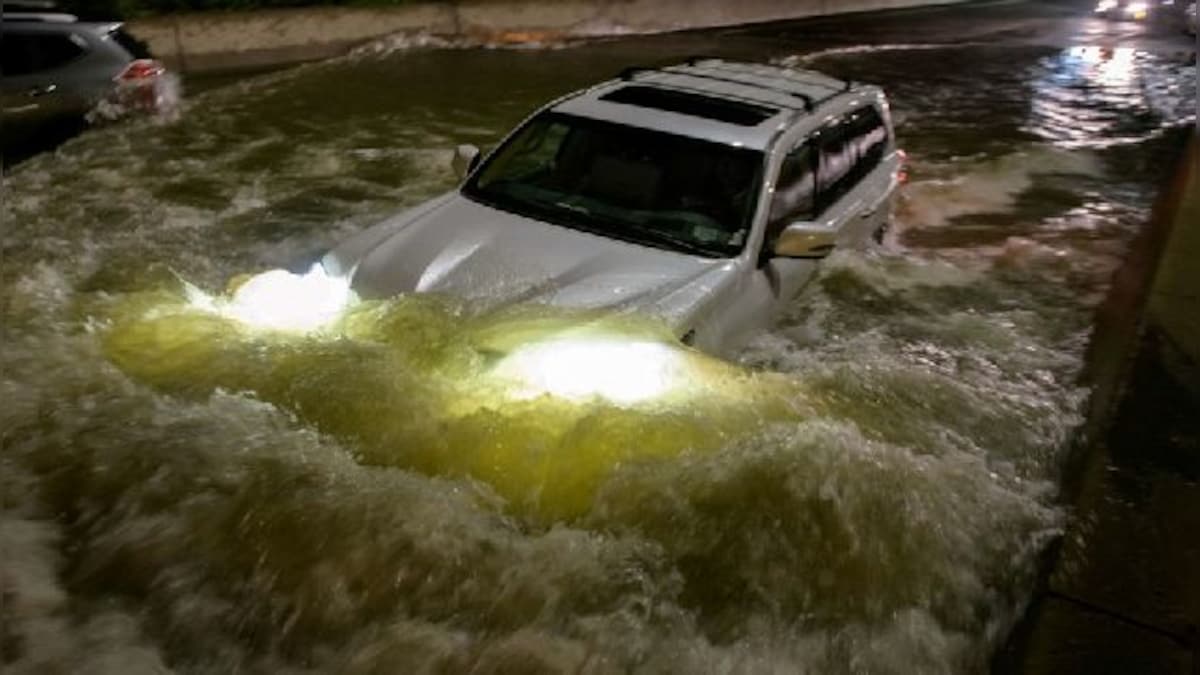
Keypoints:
pixel 215 41
pixel 1174 306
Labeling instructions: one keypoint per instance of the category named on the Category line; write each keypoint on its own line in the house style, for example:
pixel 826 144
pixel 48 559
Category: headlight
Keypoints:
pixel 280 300
pixel 1106 5
pixel 1136 8
pixel 620 371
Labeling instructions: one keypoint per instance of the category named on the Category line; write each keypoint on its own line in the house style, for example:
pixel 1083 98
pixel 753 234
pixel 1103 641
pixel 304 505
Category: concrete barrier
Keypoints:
pixel 224 40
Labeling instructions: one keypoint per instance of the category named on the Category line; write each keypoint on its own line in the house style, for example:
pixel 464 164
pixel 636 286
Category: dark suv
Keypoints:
pixel 58 68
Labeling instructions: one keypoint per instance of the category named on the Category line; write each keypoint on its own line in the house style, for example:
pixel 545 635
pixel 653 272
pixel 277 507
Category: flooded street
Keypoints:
pixel 866 487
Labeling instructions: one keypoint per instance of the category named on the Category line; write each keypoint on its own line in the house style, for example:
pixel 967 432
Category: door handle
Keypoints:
pixel 43 90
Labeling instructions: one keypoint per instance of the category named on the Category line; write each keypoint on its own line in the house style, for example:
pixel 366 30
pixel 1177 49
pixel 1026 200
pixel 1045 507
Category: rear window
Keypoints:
pixel 136 48
pixel 694 105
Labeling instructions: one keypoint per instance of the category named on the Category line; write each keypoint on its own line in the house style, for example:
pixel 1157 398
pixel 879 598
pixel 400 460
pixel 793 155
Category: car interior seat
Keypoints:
pixel 622 182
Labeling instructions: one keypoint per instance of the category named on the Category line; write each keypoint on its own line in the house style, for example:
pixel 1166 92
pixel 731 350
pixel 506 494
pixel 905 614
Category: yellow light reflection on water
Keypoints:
pixel 540 404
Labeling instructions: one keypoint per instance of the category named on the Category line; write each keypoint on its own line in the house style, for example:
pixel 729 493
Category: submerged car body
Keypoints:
pixel 703 194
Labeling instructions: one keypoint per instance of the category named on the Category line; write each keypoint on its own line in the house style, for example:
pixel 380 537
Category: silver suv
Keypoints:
pixel 56 67
pixel 703 194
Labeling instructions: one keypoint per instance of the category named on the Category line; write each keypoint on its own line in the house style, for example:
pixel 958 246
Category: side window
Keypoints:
pixel 58 50
pixel 795 189
pixel 871 138
pixel 16 54
pixel 836 157
pixel 25 53
pixel 848 150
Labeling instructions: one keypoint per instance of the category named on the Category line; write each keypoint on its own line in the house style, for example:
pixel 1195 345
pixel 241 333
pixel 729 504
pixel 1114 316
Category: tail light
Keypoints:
pixel 902 172
pixel 138 85
pixel 139 70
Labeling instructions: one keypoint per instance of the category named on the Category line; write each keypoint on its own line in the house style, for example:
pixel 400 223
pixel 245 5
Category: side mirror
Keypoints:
pixel 464 160
pixel 805 240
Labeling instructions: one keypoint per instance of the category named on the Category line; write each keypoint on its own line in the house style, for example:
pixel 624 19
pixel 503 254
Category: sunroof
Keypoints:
pixel 695 105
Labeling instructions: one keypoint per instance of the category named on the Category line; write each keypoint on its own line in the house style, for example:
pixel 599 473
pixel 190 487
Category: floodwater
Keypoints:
pixel 864 488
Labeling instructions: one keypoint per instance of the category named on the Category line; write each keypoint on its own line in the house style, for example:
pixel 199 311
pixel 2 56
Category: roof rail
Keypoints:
pixel 38 17
pixel 798 75
pixel 805 98
pixel 28 5
pixel 835 85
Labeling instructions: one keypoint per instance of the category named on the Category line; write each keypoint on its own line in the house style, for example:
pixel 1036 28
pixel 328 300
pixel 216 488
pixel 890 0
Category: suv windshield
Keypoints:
pixel 649 187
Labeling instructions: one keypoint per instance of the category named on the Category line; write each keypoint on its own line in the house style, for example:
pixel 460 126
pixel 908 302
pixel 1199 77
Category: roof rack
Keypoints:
pixel 795 75
pixel 805 98
pixel 693 103
pixel 632 72
pixel 835 85
pixel 28 5
pixel 38 17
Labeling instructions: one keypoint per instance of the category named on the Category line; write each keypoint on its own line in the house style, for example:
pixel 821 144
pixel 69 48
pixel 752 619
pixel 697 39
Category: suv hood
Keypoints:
pixel 456 246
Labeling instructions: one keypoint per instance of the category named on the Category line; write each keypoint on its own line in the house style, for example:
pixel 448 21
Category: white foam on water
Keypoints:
pixel 405 42
pixel 939 193
pixel 810 58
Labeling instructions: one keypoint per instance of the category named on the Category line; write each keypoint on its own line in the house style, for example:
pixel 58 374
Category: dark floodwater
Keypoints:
pixel 865 489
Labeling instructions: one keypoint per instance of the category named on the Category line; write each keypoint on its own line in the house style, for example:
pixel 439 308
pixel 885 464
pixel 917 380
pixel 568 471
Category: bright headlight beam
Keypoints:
pixel 280 300
pixel 623 372
pixel 284 301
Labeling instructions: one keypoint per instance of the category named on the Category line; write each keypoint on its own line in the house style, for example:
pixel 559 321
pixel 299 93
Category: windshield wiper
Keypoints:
pixel 659 237
pixel 611 227
pixel 591 222
pixel 574 207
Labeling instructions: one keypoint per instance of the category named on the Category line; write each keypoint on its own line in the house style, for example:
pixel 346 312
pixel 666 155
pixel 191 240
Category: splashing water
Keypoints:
pixel 503 398
pixel 281 300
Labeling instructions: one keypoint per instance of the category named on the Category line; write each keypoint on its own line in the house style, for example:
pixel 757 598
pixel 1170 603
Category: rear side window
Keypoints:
pixel 836 156
pixel 871 137
pixel 136 48
pixel 848 150
pixel 25 53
